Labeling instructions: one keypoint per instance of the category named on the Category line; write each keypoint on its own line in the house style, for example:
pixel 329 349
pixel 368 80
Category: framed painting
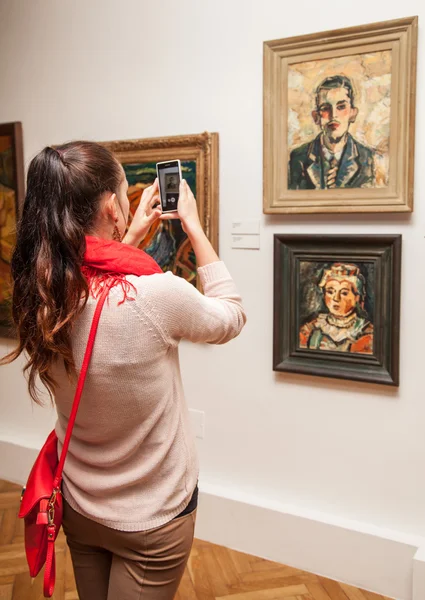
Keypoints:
pixel 12 187
pixel 166 241
pixel 337 306
pixel 339 120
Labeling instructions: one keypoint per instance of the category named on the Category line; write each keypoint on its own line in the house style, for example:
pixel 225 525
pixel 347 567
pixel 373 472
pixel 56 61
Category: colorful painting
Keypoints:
pixel 337 306
pixel 11 188
pixel 339 122
pixel 166 241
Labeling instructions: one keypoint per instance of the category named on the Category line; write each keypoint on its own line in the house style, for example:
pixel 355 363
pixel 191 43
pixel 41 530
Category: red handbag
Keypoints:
pixel 41 500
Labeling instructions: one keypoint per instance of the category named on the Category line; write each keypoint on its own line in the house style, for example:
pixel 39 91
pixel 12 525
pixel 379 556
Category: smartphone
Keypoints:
pixel 169 177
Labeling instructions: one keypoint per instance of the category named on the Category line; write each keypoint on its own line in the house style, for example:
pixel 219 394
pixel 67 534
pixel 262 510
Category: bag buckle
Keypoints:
pixel 51 506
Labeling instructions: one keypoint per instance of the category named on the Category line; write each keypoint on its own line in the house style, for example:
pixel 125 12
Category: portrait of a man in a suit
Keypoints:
pixel 334 159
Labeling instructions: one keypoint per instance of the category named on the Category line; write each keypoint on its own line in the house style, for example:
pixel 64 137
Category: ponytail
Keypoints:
pixel 64 188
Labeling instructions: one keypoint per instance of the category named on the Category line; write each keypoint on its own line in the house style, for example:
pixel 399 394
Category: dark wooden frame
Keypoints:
pixel 385 252
pixel 15 131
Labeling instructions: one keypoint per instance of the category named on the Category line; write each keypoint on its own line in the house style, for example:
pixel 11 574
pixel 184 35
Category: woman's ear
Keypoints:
pixel 111 207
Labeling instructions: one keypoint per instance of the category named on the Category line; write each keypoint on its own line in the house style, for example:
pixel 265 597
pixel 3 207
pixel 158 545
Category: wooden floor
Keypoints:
pixel 213 572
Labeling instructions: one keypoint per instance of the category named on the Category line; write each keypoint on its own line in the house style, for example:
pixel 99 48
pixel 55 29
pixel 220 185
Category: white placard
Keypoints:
pixel 246 241
pixel 246 227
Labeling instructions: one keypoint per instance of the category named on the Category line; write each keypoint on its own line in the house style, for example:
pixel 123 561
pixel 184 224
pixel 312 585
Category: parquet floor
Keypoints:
pixel 213 572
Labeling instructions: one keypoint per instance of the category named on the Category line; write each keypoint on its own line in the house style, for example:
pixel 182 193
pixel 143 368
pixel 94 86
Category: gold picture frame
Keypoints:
pixel 199 155
pixel 378 61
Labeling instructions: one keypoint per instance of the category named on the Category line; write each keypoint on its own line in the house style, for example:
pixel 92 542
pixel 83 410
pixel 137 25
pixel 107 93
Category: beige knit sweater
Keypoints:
pixel 132 461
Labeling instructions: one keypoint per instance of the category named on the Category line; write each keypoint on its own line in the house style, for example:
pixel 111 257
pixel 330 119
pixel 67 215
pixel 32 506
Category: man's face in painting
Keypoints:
pixel 334 113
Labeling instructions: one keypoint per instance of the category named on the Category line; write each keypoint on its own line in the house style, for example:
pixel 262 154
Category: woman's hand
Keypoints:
pixel 144 216
pixel 187 210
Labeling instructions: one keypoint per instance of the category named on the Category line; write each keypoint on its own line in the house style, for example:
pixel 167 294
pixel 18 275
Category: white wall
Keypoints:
pixel 105 70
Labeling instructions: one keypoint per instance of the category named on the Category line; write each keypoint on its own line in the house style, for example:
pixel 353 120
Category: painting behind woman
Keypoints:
pixel 7 224
pixel 166 241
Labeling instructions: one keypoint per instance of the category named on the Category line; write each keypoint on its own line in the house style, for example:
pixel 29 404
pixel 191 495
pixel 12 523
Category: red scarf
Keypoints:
pixel 109 261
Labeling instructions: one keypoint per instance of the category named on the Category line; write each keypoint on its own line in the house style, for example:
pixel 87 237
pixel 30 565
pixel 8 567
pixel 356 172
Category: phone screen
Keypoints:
pixel 169 184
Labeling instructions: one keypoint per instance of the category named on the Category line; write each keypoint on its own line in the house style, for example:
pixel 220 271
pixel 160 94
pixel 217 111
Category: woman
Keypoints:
pixel 346 327
pixel 130 477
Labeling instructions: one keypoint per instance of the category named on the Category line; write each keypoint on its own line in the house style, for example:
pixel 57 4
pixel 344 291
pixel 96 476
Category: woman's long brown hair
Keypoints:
pixel 64 188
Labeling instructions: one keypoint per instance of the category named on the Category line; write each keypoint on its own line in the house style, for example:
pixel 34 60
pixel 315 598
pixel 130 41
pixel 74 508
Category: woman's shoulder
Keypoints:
pixel 159 284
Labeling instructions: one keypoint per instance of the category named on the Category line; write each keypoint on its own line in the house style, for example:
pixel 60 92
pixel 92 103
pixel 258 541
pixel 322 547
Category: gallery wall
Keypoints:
pixel 109 70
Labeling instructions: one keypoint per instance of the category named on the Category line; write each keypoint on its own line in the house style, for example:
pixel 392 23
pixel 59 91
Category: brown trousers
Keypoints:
pixel 120 565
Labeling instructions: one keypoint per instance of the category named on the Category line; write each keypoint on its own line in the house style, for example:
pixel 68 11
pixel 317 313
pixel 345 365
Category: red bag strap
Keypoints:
pixel 50 568
pixel 80 384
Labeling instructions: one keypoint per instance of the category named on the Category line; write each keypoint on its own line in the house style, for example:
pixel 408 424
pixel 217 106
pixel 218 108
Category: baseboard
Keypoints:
pixel 419 574
pixel 16 462
pixel 378 560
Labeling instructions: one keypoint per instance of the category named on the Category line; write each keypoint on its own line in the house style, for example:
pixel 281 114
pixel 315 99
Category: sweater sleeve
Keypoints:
pixel 215 317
